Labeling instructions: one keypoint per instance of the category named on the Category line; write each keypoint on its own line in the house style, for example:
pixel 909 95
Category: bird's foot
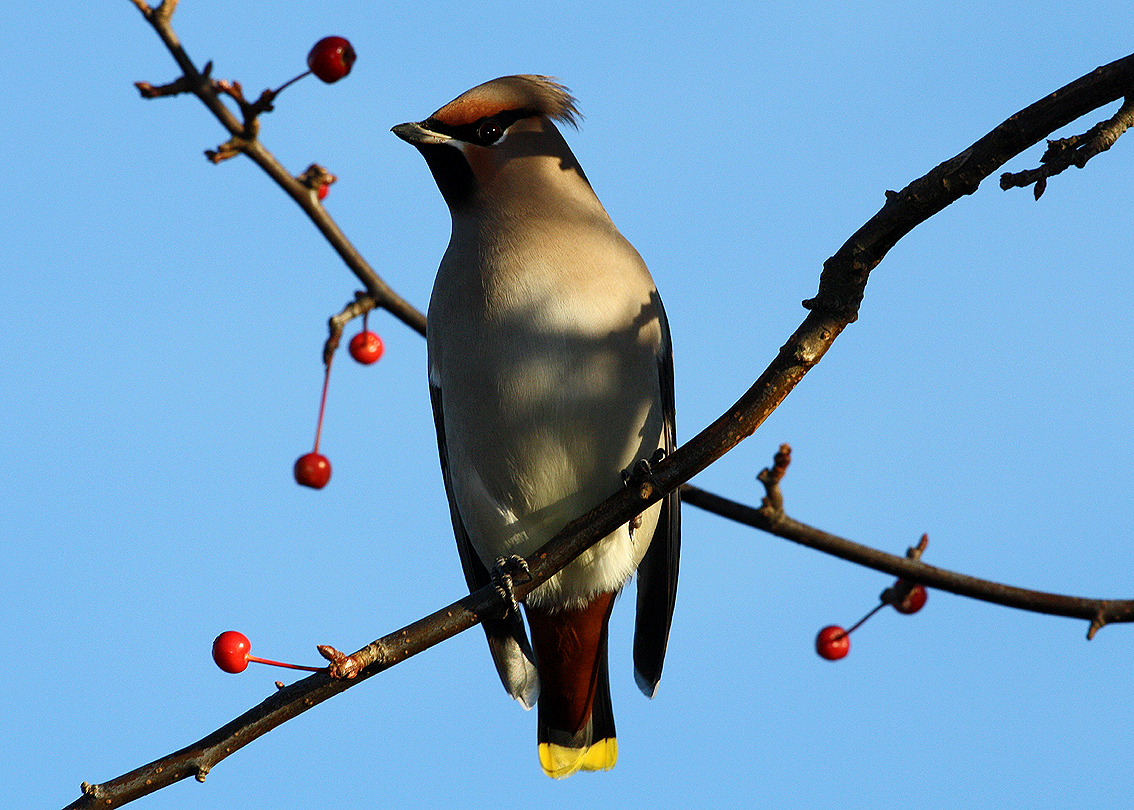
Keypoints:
pixel 641 475
pixel 507 571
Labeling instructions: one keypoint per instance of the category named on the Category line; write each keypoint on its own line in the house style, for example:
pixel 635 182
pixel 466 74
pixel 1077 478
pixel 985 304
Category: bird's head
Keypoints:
pixel 496 144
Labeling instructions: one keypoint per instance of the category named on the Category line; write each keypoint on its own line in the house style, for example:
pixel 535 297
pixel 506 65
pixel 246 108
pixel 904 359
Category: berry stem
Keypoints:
pixel 860 622
pixel 279 89
pixel 323 402
pixel 282 664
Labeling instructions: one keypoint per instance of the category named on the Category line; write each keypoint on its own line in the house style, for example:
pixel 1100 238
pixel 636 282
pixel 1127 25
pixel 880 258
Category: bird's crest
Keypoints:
pixel 533 95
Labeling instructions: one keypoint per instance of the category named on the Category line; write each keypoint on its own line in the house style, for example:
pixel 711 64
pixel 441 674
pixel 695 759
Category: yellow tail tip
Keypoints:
pixel 559 762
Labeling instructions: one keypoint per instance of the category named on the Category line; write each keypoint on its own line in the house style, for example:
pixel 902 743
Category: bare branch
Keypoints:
pixel 197 760
pixel 1096 611
pixel 844 274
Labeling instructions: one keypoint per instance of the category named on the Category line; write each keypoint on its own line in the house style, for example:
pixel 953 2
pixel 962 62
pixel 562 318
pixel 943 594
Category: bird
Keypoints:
pixel 551 375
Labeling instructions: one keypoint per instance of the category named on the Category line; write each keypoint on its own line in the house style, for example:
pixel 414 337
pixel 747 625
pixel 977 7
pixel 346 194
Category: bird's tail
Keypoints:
pixel 576 720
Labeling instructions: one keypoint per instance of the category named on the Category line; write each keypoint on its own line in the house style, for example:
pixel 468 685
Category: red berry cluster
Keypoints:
pixel 330 59
pixel 833 642
pixel 905 596
pixel 313 469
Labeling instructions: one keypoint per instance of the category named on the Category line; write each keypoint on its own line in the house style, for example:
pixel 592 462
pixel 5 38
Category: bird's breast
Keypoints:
pixel 547 366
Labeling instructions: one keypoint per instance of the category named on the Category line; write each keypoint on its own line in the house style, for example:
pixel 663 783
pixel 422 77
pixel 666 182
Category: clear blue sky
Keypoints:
pixel 163 319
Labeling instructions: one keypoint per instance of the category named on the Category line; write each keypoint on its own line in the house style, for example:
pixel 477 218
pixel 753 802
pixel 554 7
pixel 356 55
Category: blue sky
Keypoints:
pixel 163 319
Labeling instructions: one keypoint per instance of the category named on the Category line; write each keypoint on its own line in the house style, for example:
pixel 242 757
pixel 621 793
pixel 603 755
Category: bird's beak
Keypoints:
pixel 418 134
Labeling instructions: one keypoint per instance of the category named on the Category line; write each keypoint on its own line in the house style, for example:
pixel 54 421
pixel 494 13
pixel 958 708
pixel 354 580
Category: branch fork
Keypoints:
pixel 362 304
pixel 1075 151
pixel 183 84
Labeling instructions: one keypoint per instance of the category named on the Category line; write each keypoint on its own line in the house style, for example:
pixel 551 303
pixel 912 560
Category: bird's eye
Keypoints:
pixel 489 132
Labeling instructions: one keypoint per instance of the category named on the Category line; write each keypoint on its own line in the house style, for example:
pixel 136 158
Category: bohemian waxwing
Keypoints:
pixel 551 373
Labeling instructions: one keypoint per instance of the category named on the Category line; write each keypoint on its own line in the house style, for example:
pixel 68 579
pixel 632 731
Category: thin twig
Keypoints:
pixel 244 142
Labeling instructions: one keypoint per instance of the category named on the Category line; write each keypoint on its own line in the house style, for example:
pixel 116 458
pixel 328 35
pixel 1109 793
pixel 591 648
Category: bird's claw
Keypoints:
pixel 507 571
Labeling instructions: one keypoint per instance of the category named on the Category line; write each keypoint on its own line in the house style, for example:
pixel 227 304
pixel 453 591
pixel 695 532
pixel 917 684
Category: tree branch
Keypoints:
pixel 841 288
pixel 1073 151
pixel 1098 612
pixel 244 141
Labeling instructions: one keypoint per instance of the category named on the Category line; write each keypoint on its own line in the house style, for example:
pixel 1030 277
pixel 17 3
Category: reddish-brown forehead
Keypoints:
pixel 470 107
pixel 490 98
pixel 534 95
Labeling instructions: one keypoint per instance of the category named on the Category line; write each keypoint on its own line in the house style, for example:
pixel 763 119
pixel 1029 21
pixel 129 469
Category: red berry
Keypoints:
pixel 832 643
pixel 312 470
pixel 331 59
pixel 366 347
pixel 322 192
pixel 913 601
pixel 230 651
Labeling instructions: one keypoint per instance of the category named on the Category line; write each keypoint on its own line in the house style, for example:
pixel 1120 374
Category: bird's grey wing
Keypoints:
pixel 657 573
pixel 507 639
